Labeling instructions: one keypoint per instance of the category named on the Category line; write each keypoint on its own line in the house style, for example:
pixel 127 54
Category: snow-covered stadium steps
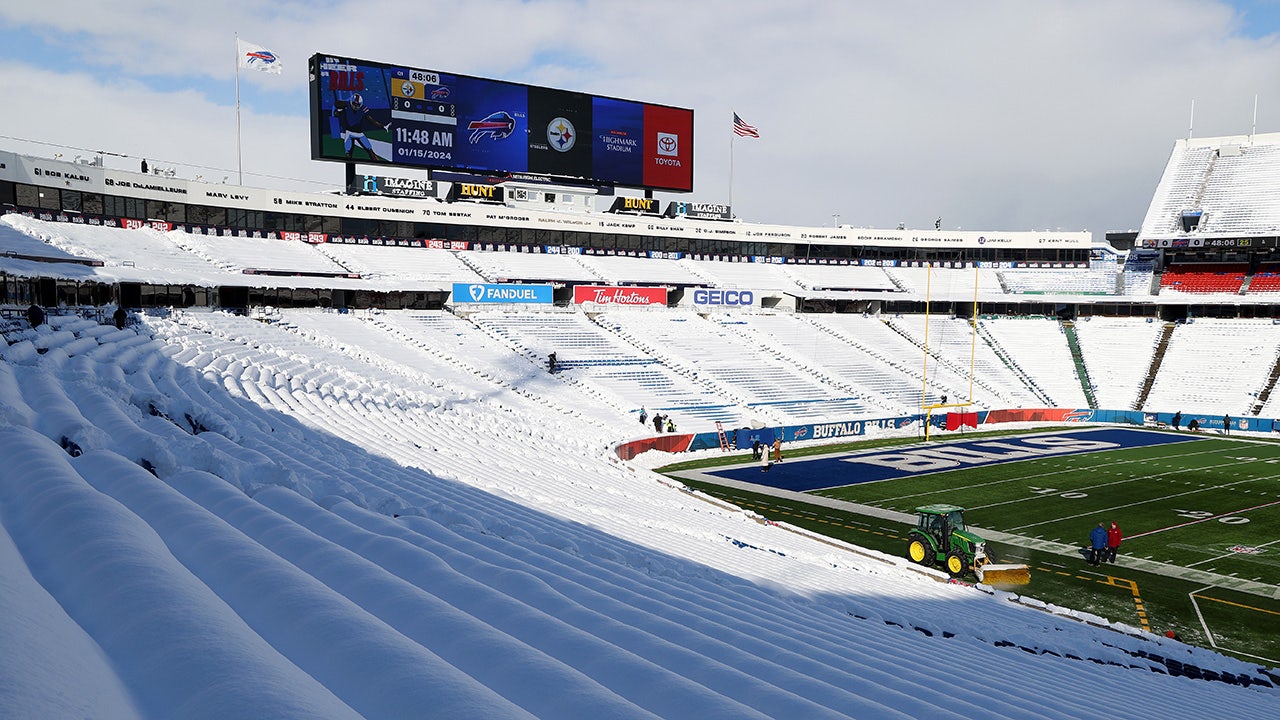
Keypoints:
pixel 622 654
pixel 951 340
pixel 177 629
pixel 1239 353
pixel 791 628
pixel 735 369
pixel 276 352
pixel 590 351
pixel 829 357
pixel 414 355
pixel 341 413
pixel 43 631
pixel 1039 347
pixel 152 253
pixel 243 253
pixel 529 267
pixel 413 267
pixel 621 270
pixel 674 613
pixel 903 359
pixel 234 493
pixel 292 609
pixel 408 593
pixel 702 564
pixel 1117 353
pixel 695 656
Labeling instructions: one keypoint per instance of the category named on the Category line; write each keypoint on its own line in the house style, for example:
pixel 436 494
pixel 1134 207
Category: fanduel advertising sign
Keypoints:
pixel 729 298
pixel 506 293
pixel 602 295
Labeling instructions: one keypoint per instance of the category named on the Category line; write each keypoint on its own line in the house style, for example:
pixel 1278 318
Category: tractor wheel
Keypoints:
pixel 956 564
pixel 918 551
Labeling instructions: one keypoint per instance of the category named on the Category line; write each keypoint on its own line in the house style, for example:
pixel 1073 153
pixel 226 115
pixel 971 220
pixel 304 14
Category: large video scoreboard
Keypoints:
pixel 367 112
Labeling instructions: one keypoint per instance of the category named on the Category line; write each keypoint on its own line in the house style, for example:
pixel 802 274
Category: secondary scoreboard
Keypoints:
pixel 365 111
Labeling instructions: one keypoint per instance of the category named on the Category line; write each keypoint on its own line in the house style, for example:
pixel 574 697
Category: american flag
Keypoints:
pixel 742 129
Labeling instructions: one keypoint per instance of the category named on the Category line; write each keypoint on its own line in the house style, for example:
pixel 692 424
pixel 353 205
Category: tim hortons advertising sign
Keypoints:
pixel 605 295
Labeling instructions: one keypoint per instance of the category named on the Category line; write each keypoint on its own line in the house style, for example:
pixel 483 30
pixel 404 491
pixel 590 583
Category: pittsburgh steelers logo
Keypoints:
pixel 561 134
pixel 406 88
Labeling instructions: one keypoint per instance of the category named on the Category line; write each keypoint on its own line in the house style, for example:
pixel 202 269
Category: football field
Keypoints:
pixel 1200 515
pixel 1211 503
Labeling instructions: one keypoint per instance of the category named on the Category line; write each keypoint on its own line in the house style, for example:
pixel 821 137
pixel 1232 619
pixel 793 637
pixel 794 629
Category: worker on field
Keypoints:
pixel 1113 541
pixel 1098 544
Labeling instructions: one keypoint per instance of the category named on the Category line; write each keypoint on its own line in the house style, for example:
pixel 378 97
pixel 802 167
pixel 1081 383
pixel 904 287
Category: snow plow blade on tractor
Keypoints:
pixel 940 537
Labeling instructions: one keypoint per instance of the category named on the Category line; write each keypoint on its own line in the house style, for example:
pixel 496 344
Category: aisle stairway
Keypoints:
pixel 1153 369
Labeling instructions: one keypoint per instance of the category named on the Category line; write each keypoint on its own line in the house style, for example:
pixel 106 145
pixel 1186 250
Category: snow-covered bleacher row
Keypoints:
pixel 1232 182
pixel 177 257
pixel 391 514
pixel 740 367
pixel 1215 366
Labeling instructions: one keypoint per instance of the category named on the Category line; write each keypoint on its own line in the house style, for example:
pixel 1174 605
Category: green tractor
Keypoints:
pixel 940 537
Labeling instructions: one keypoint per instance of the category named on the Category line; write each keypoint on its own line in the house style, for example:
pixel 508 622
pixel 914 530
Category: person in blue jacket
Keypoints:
pixel 1098 544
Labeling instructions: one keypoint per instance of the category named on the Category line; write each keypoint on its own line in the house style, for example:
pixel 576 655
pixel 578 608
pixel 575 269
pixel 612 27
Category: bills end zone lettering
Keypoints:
pixel 948 457
pixel 804 475
pixel 951 456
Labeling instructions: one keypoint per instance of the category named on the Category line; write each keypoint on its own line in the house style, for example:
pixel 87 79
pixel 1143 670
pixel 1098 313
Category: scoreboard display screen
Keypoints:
pixel 371 112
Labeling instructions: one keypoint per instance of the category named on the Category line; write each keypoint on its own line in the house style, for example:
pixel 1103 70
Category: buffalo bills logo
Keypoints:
pixel 801 432
pixel 440 93
pixel 1078 416
pixel 264 57
pixel 497 126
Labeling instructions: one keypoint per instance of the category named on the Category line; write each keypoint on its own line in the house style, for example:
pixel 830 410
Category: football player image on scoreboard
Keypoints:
pixel 352 116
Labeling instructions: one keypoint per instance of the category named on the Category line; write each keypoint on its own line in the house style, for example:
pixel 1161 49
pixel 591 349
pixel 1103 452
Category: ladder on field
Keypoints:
pixel 724 441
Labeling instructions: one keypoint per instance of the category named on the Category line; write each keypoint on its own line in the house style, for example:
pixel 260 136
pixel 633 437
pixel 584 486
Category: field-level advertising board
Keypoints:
pixel 429 119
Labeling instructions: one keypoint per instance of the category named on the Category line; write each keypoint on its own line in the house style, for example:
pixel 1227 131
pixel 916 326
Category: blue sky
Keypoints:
pixel 1260 17
pixel 1002 114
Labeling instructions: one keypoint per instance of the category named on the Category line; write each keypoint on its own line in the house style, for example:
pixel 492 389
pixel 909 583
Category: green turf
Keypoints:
pixel 1184 504
pixel 1193 505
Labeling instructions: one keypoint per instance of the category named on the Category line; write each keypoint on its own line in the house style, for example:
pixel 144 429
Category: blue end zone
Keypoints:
pixel 910 461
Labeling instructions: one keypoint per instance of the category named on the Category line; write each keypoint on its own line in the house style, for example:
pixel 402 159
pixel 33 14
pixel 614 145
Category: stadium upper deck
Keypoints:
pixel 1219 194
pixel 417 248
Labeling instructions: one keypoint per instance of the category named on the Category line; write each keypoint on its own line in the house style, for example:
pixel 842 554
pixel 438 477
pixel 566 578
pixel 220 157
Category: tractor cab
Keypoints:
pixel 940 522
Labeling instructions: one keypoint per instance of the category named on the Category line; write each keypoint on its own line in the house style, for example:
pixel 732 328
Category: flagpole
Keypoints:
pixel 239 156
pixel 731 168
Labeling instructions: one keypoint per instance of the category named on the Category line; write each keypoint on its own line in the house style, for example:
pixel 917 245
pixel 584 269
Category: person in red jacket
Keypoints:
pixel 1113 541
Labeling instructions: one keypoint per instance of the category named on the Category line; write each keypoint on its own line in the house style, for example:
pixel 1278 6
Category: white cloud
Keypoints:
pixel 1002 115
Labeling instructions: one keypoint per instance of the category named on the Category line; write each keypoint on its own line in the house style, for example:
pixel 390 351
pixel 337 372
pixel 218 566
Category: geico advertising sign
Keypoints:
pixel 504 293
pixel 733 298
pixel 603 295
